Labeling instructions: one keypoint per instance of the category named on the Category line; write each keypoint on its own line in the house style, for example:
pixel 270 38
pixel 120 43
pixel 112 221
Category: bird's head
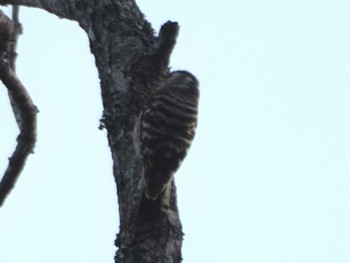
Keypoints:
pixel 184 80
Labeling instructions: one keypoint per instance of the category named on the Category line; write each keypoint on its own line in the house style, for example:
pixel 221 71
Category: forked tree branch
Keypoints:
pixel 23 107
pixel 131 62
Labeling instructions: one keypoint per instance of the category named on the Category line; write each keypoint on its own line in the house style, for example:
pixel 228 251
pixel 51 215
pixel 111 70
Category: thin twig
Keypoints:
pixel 24 109
pixel 17 30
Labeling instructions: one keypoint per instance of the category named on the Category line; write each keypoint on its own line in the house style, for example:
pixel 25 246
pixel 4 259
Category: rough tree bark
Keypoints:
pixel 130 60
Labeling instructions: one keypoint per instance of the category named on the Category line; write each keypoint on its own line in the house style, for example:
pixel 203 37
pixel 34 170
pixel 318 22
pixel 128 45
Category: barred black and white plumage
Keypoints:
pixel 165 130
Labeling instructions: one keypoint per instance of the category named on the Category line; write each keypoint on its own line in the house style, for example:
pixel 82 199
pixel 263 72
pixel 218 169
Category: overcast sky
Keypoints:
pixel 267 179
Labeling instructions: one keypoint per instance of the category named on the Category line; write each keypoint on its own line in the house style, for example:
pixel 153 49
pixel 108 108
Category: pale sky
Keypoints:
pixel 267 178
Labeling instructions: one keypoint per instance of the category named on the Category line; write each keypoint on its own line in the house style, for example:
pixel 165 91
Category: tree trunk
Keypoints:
pixel 130 60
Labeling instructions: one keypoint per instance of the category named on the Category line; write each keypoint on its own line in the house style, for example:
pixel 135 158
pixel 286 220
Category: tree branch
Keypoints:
pixel 63 9
pixel 23 107
pixel 131 62
pixel 31 3
pixel 17 30
pixel 167 40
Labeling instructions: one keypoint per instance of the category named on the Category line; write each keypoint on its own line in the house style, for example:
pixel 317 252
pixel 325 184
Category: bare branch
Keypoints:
pixel 131 62
pixel 167 40
pixel 31 3
pixel 17 30
pixel 11 54
pixel 62 9
pixel 24 109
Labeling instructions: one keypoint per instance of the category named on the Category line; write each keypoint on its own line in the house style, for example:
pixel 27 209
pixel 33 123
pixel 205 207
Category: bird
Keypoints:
pixel 164 131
